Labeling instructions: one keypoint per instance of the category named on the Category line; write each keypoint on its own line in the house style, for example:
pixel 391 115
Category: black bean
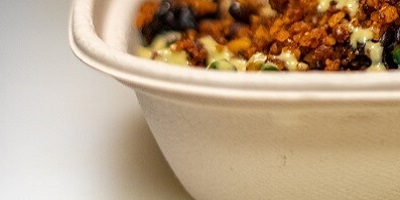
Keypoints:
pixel 361 62
pixel 170 16
pixel 238 12
pixel 389 40
pixel 165 7
pixel 186 19
pixel 151 30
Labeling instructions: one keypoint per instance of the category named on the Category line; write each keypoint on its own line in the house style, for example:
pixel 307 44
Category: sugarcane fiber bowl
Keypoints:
pixel 230 135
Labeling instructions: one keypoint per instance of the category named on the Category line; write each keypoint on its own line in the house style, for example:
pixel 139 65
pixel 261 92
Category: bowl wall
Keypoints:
pixel 253 136
pixel 279 151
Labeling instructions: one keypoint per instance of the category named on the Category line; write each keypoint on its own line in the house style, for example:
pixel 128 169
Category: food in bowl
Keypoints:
pixel 272 35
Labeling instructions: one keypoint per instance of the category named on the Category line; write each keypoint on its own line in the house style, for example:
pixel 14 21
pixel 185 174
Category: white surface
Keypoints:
pixel 67 131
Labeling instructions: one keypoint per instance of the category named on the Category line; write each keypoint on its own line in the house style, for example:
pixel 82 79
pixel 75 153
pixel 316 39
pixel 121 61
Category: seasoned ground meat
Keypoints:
pixel 197 55
pixel 292 35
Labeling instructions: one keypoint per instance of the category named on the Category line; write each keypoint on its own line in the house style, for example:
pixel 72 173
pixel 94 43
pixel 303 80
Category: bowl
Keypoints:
pixel 230 135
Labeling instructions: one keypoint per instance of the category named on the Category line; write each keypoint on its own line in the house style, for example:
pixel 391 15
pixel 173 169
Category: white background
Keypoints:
pixel 66 130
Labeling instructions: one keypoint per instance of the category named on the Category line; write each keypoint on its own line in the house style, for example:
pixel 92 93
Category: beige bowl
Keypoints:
pixel 253 136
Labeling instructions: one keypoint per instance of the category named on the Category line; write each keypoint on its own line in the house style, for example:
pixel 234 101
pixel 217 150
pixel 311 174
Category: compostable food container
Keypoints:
pixel 230 135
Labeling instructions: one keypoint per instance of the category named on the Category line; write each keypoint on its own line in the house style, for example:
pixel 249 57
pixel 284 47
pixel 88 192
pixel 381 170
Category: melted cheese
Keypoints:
pixel 255 62
pixel 360 35
pixel 173 57
pixel 160 51
pixel 290 60
pixel 352 5
pixel 375 50
pixel 324 5
pixel 145 52
pixel 268 11
pixel 213 52
pixel 240 64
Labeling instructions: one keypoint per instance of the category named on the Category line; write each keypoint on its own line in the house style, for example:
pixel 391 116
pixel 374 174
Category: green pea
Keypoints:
pixel 396 55
pixel 269 67
pixel 223 65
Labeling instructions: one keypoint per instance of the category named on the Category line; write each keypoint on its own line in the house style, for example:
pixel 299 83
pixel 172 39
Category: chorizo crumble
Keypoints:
pixel 272 35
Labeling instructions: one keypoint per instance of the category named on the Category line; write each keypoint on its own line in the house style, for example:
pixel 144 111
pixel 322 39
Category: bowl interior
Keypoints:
pixel 112 23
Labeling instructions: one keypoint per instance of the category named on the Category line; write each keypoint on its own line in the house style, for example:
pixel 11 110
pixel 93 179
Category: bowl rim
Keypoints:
pixel 157 76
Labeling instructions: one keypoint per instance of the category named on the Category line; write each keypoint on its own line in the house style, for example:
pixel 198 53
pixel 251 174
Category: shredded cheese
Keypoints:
pixel 352 5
